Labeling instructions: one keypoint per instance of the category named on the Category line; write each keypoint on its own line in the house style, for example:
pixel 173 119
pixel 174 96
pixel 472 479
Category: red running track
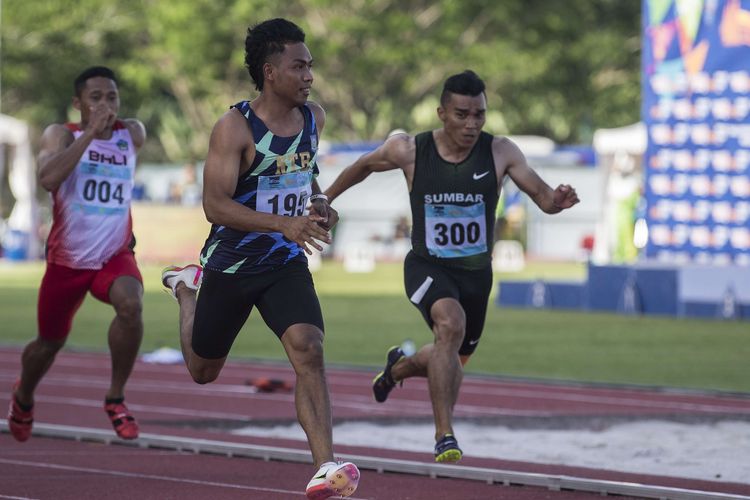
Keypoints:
pixel 166 402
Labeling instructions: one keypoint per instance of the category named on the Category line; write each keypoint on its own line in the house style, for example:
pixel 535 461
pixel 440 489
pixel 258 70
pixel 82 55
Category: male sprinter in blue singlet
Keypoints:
pixel 259 176
pixel 454 175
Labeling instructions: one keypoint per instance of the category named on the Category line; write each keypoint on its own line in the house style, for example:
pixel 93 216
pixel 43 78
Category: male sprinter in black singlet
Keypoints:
pixel 454 175
pixel 258 179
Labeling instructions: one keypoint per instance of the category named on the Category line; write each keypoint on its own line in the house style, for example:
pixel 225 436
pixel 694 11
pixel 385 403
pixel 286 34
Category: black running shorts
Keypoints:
pixel 284 297
pixel 426 282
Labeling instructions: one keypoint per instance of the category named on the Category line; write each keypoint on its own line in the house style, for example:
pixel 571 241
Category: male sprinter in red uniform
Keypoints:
pixel 88 168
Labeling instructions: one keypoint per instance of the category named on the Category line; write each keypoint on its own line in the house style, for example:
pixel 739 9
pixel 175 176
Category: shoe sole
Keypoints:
pixel 172 271
pixel 382 373
pixel 375 379
pixel 21 432
pixel 128 436
pixel 127 431
pixel 169 272
pixel 343 478
pixel 449 456
pixel 374 382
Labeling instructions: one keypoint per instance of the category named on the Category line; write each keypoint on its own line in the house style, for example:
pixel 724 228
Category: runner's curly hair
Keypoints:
pixel 266 39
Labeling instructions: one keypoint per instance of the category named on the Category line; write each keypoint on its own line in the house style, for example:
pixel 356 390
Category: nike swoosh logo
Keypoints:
pixel 473 342
pixel 479 176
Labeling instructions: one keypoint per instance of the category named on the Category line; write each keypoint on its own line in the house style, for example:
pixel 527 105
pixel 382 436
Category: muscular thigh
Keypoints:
pixel 474 290
pixel 60 295
pixel 121 264
pixel 223 305
pixel 425 283
pixel 290 300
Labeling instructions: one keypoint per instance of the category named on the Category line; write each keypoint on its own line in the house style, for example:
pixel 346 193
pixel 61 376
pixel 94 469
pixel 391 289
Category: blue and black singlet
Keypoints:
pixel 279 181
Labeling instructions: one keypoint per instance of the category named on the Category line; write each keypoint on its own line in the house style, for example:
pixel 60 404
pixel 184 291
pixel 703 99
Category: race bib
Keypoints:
pixel 103 189
pixel 284 194
pixel 454 231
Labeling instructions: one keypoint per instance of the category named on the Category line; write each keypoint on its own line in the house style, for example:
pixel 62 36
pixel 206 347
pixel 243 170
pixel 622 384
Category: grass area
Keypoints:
pixel 366 313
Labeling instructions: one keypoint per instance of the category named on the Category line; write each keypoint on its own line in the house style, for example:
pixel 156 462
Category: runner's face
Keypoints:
pixel 463 118
pixel 293 75
pixel 99 91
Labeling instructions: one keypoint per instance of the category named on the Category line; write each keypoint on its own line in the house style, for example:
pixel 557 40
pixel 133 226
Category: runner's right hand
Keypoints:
pixel 100 117
pixel 304 230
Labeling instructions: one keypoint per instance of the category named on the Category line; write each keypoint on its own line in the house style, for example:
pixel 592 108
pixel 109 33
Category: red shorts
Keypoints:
pixel 63 289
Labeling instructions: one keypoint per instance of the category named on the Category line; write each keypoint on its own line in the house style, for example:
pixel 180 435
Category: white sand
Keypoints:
pixel 716 452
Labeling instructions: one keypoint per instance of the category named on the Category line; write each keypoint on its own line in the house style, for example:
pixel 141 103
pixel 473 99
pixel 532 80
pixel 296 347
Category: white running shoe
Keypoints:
pixel 333 478
pixel 191 275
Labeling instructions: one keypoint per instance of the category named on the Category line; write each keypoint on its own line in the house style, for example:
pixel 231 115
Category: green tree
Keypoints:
pixel 559 69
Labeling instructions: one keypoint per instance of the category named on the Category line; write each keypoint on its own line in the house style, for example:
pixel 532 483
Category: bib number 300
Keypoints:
pixel 455 231
pixel 457 234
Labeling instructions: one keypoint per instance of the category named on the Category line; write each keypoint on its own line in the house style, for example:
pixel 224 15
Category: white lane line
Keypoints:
pixel 162 410
pixel 18 498
pixel 401 406
pixel 136 475
pixel 360 403
pixel 721 407
pixel 352 401
pixel 355 378
pixel 365 404
pixel 488 476
pixel 351 378
pixel 99 361
pixel 159 386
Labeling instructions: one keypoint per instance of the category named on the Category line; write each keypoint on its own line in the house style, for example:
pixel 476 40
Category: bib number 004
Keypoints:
pixel 102 191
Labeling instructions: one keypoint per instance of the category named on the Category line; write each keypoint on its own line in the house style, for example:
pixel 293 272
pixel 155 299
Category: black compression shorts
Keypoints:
pixel 426 282
pixel 284 297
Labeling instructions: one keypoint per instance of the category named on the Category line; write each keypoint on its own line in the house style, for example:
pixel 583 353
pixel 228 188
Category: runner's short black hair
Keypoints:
pixel 266 39
pixel 466 83
pixel 80 82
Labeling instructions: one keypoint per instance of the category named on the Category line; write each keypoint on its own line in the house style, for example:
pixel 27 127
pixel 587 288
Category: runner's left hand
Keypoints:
pixel 327 212
pixel 565 196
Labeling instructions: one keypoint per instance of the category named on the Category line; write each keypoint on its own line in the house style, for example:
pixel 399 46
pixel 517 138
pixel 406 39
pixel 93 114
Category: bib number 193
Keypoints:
pixel 291 203
pixel 285 194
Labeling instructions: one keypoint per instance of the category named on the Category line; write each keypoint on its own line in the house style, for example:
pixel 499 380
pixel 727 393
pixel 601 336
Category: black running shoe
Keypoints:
pixel 447 450
pixel 383 381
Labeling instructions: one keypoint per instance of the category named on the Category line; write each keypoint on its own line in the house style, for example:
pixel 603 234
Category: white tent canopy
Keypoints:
pixel 630 139
pixel 22 179
pixel 534 145
pixel 619 152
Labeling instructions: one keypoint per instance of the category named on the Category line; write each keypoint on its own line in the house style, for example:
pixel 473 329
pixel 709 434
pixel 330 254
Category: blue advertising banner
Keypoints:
pixel 696 107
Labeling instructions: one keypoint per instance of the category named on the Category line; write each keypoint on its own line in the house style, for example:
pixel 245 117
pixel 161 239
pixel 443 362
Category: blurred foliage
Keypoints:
pixel 558 69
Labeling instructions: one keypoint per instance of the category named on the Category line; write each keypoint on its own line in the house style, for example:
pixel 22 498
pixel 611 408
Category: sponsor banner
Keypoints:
pixel 696 107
